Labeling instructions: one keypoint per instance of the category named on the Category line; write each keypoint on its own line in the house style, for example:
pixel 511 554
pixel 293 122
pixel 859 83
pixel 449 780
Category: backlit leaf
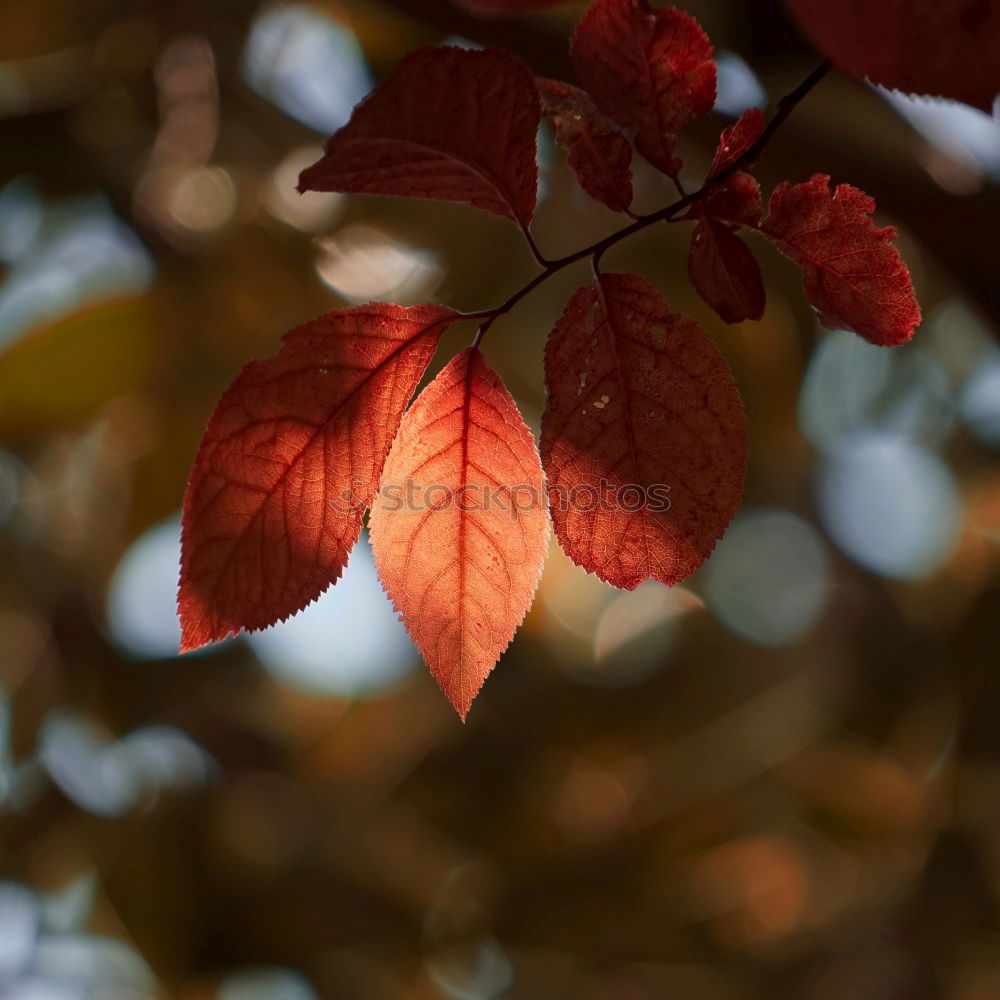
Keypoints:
pixel 643 435
pixel 647 69
pixel 460 528
pixel 290 462
pixel 854 277
pixel 451 124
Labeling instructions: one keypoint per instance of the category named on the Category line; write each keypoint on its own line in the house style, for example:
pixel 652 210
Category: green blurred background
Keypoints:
pixel 782 779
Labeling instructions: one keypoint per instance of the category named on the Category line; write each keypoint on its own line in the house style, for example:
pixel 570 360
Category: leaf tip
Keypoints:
pixel 461 708
pixel 188 645
pixel 307 178
pixel 193 635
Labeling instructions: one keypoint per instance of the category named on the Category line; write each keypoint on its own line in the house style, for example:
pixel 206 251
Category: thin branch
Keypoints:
pixel 785 107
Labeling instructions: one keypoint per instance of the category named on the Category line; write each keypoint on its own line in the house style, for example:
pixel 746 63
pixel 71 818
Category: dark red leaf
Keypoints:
pixel 736 199
pixel 641 407
pixel 451 124
pixel 950 48
pixel 290 462
pixel 737 140
pixel 854 277
pixel 599 152
pixel 722 268
pixel 647 69
pixel 724 272
pixel 460 530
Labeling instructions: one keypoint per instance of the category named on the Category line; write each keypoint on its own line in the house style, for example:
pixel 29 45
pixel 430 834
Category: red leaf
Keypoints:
pixel 737 199
pixel 639 397
pixel 451 124
pixel 722 268
pixel 289 463
pixel 724 272
pixel 460 531
pixel 946 47
pixel 599 152
pixel 737 140
pixel 497 8
pixel 647 69
pixel 854 277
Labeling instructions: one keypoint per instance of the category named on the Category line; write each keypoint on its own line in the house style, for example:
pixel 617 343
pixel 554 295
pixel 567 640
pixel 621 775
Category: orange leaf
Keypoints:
pixel 643 435
pixel 289 464
pixel 460 529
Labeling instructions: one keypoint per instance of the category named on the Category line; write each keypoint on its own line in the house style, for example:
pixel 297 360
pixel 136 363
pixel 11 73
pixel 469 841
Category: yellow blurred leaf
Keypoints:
pixel 62 372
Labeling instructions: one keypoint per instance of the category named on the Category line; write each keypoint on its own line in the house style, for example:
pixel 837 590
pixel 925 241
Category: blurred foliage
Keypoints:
pixel 782 779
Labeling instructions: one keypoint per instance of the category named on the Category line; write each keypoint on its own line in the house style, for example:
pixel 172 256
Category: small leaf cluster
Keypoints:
pixel 639 398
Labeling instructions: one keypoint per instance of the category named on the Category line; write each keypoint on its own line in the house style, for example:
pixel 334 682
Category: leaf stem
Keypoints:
pixel 535 252
pixel 784 108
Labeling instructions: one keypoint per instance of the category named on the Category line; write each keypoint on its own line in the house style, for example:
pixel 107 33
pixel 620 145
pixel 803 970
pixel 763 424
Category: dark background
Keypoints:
pixel 781 779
